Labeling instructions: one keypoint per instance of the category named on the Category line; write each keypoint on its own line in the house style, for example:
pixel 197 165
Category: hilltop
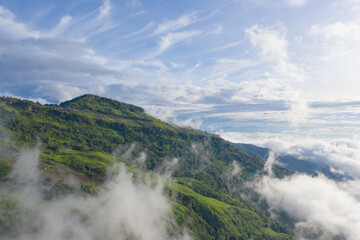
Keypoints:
pixel 85 136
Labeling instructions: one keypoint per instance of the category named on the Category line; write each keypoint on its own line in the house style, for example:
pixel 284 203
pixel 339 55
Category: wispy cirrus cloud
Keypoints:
pixel 63 25
pixel 142 30
pixel 105 9
pixel 177 24
pixel 172 38
pixel 133 3
pixel 218 29
pixel 287 3
pixel 295 3
pixel 87 26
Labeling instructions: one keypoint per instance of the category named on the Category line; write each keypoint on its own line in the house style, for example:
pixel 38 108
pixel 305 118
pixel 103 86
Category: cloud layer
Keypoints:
pixel 341 154
pixel 321 208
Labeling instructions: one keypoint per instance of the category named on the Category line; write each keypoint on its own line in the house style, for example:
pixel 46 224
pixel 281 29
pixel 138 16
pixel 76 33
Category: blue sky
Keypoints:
pixel 282 74
pixel 287 67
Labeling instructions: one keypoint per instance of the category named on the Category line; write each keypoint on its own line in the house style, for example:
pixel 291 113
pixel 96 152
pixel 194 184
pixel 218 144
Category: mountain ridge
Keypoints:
pixel 82 134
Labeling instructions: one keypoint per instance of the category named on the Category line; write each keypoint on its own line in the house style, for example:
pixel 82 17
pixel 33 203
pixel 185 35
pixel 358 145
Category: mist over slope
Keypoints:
pixel 123 209
pixel 312 166
pixel 205 193
pixel 322 201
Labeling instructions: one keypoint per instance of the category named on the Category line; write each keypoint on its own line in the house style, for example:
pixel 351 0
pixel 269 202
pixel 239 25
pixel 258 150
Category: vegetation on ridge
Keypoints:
pixel 81 137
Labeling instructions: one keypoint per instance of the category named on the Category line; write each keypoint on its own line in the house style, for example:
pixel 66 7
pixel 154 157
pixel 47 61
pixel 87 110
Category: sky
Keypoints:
pixel 255 68
pixel 282 74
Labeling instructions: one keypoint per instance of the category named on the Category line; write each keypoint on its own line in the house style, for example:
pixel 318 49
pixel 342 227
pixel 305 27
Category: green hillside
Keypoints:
pixel 83 137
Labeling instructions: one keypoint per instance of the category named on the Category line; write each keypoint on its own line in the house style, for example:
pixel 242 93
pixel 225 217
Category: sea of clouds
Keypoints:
pixel 320 207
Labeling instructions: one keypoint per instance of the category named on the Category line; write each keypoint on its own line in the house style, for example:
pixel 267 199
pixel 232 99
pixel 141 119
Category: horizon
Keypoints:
pixel 252 67
pixel 280 74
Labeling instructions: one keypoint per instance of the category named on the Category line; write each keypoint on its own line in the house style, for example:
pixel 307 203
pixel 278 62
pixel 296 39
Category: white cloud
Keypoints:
pixel 225 66
pixel 225 46
pixel 42 60
pixel 91 25
pixel 123 209
pixel 318 205
pixel 105 9
pixel 13 29
pixel 271 42
pixel 177 65
pixel 320 208
pixel 195 122
pixel 273 46
pixel 163 113
pixel 92 57
pixel 269 74
pixel 298 108
pixel 193 68
pixel 179 23
pixel 144 29
pixel 63 24
pixel 4 13
pixel 218 29
pixel 295 3
pixel 133 3
pixel 236 168
pixel 58 91
pixel 47 60
pixel 342 30
pixel 173 38
pixel 271 160
pixel 336 51
pixel 341 154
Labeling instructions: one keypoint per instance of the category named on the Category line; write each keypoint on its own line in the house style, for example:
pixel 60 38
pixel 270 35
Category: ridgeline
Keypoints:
pixel 84 137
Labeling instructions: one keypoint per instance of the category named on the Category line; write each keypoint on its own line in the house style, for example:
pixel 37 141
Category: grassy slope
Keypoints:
pixel 93 127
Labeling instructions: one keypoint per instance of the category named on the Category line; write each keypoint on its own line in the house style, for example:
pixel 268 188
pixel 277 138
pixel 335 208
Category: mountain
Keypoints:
pixel 83 138
pixel 291 162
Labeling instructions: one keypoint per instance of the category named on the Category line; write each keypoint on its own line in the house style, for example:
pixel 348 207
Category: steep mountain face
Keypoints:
pixel 84 137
